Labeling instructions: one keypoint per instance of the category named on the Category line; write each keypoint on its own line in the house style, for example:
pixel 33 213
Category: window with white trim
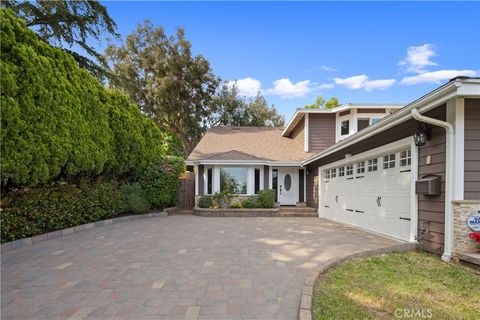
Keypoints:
pixel 389 161
pixel 372 165
pixel 333 173
pixel 209 180
pixel 341 171
pixel 361 167
pixel 405 158
pixel 349 169
pixel 327 174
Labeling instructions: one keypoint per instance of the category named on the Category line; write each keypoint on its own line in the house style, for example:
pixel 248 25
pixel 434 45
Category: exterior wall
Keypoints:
pixel 462 209
pixel 298 133
pixel 301 191
pixel 201 179
pixel 472 149
pixel 321 129
pixel 431 210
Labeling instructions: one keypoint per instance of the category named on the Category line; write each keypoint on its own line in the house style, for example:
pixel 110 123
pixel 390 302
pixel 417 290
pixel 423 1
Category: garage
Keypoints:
pixel 372 190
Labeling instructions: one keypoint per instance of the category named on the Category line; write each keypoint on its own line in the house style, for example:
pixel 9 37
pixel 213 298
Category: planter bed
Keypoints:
pixel 243 212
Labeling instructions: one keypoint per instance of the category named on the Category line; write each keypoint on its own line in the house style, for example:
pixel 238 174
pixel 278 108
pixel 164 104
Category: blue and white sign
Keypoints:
pixel 473 222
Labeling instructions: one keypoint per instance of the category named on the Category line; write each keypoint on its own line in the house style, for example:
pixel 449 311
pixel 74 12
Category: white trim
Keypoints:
pixel 413 194
pixel 195 170
pixel 459 163
pixel 306 133
pixel 249 162
pixel 270 177
pixel 304 185
pixel 319 211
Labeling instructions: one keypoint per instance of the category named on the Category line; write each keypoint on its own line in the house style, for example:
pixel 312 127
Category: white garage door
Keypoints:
pixel 372 194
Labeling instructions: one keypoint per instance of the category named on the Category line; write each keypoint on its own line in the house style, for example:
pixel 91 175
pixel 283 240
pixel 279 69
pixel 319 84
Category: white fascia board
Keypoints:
pixel 427 102
pixel 249 162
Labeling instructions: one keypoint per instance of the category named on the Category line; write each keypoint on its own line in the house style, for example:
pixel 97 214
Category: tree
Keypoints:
pixel 170 85
pixel 321 103
pixel 68 22
pixel 230 109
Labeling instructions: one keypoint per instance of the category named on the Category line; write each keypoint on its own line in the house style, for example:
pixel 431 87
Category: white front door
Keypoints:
pixel 287 186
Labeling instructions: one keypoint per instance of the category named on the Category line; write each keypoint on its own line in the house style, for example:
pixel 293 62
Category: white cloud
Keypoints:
pixel 328 68
pixel 418 58
pixel 437 76
pixel 248 87
pixel 326 86
pixel 379 84
pixel 286 89
pixel 362 82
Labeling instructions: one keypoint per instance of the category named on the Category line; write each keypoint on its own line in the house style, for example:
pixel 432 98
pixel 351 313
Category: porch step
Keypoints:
pixel 297 212
pixel 470 259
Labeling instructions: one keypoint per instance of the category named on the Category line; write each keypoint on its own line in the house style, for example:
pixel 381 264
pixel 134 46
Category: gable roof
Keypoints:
pixel 247 143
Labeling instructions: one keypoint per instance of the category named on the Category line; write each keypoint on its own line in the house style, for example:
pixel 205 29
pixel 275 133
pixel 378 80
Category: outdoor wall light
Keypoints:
pixel 422 135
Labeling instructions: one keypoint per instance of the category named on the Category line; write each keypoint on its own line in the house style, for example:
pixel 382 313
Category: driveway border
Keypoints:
pixel 305 312
pixel 7 246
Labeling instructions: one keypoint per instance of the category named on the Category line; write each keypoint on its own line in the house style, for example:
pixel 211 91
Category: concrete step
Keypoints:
pixel 297 212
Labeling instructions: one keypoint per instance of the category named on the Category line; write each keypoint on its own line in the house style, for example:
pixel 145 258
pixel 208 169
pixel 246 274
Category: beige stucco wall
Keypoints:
pixel 462 209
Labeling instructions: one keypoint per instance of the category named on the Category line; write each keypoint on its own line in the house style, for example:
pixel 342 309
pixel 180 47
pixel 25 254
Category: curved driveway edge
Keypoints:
pixel 308 286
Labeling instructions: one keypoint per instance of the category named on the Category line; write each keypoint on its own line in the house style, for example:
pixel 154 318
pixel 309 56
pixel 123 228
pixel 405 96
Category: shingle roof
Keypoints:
pixel 247 143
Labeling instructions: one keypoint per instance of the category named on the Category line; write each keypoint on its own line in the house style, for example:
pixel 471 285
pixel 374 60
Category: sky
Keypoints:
pixel 360 52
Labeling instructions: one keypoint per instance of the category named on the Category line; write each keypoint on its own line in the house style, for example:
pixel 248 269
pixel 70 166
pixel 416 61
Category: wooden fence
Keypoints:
pixel 186 192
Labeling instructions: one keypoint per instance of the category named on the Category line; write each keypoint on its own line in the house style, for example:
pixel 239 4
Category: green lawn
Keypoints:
pixel 374 288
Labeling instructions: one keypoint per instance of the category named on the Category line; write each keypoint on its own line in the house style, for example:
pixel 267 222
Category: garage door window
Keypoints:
pixel 341 171
pixel 327 174
pixel 349 169
pixel 389 161
pixel 361 167
pixel 372 165
pixel 405 158
pixel 333 173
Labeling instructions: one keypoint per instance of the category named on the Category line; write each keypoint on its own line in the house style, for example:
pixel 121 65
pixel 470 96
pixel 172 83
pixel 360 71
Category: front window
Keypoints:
pixel 405 158
pixel 372 165
pixel 257 180
pixel 345 127
pixel 233 180
pixel 209 180
pixel 361 167
pixel 389 161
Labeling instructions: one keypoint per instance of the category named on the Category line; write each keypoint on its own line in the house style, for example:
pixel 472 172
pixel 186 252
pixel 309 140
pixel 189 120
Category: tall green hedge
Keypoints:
pixel 58 121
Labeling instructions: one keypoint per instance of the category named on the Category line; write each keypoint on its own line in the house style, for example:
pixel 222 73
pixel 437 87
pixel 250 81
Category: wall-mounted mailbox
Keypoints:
pixel 428 185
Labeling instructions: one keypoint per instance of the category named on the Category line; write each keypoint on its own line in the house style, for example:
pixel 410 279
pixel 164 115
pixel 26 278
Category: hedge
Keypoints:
pixel 58 121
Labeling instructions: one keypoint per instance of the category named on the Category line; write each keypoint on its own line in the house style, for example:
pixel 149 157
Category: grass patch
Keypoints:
pixel 374 288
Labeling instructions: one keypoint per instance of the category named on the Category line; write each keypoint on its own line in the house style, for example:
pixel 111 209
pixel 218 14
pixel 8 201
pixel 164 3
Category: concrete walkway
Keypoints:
pixel 175 267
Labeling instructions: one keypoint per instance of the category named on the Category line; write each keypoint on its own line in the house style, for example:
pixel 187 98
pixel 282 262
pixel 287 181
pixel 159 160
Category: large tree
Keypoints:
pixel 231 109
pixel 68 23
pixel 321 103
pixel 169 83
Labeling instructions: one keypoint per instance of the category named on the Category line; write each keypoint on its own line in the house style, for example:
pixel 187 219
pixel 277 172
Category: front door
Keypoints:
pixel 287 186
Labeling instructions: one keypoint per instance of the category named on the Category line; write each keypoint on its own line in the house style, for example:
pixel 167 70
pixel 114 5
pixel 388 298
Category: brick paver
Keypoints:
pixel 176 267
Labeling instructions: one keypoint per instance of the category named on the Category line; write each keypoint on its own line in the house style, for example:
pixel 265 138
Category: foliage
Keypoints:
pixel 59 122
pixel 236 205
pixel 250 203
pixel 160 181
pixel 161 75
pixel 135 198
pixel 68 22
pixel 374 288
pixel 205 202
pixel 230 109
pixel 266 198
pixel 222 199
pixel 321 103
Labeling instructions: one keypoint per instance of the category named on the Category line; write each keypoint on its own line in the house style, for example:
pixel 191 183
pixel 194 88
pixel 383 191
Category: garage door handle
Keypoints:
pixel 409 170
pixel 327 206
pixel 408 219
pixel 379 201
pixel 336 199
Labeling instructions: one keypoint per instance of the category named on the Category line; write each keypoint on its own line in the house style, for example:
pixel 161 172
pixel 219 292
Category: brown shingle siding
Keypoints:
pixel 321 129
pixel 298 133
pixel 472 149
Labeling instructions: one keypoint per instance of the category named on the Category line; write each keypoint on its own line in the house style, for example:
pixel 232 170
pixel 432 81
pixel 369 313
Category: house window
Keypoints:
pixel 275 182
pixel 372 165
pixel 349 169
pixel 233 180
pixel 389 161
pixel 327 174
pixel 341 171
pixel 362 124
pixel 374 120
pixel 405 158
pixel 345 127
pixel 257 180
pixel 209 181
pixel 333 173
pixel 361 167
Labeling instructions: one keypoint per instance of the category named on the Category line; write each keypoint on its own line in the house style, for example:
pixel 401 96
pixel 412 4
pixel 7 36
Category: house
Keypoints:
pixel 360 164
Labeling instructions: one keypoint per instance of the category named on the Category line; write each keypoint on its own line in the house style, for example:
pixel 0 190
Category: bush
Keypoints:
pixel 135 198
pixel 266 198
pixel 250 203
pixel 236 205
pixel 222 199
pixel 205 202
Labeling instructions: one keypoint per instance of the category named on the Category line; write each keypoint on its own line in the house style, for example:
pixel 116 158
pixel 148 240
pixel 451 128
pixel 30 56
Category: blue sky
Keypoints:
pixel 292 52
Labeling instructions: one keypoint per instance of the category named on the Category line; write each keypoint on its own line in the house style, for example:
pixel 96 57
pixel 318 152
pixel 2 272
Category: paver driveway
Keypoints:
pixel 175 267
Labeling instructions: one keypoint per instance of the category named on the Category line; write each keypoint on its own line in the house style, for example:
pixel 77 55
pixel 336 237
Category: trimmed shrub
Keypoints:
pixel 266 198
pixel 222 199
pixel 205 202
pixel 135 198
pixel 250 203
pixel 236 205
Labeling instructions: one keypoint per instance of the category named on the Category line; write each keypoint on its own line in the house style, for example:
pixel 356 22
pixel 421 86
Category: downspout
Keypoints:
pixel 448 247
